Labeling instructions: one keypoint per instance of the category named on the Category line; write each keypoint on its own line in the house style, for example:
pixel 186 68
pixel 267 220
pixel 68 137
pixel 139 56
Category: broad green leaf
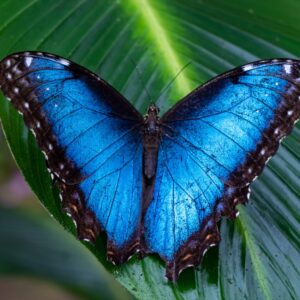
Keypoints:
pixel 31 244
pixel 140 46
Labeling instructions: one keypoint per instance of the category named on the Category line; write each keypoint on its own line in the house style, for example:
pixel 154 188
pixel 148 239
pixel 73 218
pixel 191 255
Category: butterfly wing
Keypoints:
pixel 216 141
pixel 90 137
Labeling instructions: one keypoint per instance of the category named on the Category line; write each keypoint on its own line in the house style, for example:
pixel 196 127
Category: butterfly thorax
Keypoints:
pixel 151 140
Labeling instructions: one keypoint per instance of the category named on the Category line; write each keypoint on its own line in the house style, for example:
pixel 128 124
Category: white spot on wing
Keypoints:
pixel 28 61
pixel 268 159
pixel 248 195
pixel 16 70
pixel 87 240
pixel 46 156
pixel 74 222
pixel 64 62
pixel 33 132
pixel 288 69
pixel 8 63
pixel 248 67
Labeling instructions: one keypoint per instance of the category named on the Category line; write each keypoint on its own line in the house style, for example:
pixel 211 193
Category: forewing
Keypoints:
pixel 216 141
pixel 90 137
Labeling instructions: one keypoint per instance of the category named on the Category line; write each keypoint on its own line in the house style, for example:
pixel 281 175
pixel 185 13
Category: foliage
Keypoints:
pixel 259 255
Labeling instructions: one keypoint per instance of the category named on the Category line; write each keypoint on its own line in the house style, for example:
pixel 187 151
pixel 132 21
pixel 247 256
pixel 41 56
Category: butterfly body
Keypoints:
pixel 152 133
pixel 153 184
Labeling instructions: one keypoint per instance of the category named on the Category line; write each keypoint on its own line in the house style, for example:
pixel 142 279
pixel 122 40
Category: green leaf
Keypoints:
pixel 31 244
pixel 259 255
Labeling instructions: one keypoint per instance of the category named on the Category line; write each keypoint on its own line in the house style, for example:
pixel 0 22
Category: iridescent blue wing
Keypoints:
pixel 215 142
pixel 90 137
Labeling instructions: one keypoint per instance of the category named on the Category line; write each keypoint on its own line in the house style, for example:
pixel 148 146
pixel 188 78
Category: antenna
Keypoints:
pixel 141 80
pixel 172 81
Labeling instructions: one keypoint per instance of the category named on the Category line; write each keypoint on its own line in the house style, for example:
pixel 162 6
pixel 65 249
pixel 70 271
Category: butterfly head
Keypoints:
pixel 152 113
pixel 153 109
pixel 151 119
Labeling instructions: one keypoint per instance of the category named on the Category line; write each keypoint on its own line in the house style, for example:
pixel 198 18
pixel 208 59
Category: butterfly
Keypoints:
pixel 153 184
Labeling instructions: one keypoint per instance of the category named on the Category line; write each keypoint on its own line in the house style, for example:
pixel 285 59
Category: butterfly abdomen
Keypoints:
pixel 150 153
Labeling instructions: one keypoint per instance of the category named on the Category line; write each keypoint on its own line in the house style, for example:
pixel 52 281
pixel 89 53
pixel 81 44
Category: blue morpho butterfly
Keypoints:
pixel 154 185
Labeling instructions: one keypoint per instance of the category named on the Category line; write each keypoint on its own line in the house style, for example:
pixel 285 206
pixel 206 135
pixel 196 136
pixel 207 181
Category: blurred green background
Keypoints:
pixel 259 256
